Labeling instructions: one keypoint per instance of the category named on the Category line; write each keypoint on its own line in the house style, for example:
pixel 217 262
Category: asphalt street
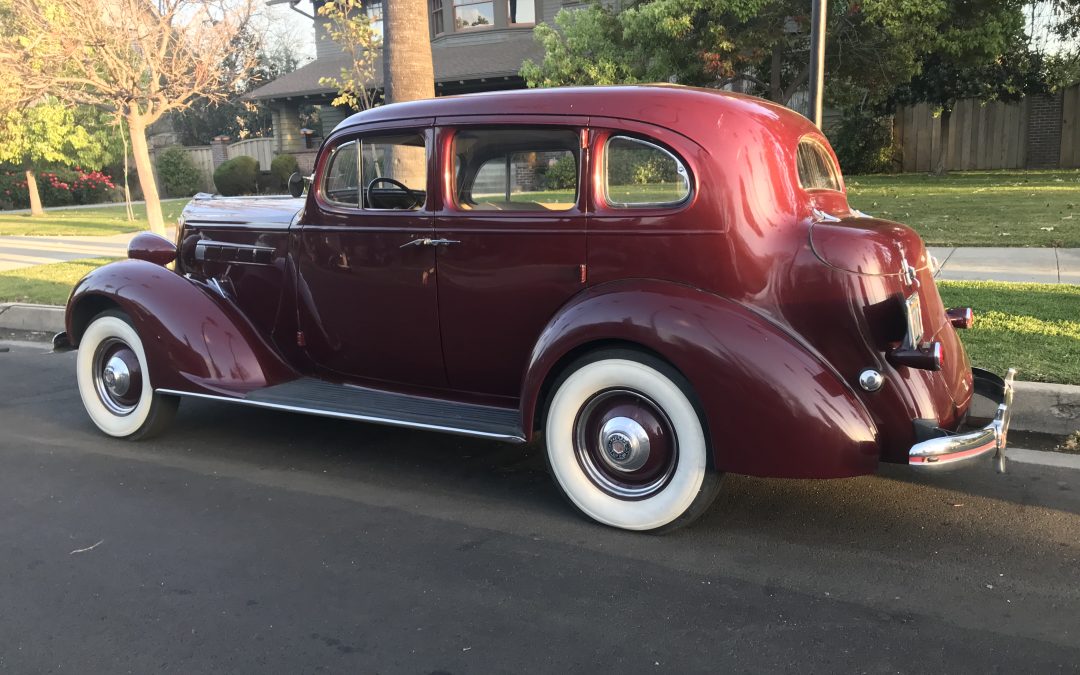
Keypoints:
pixel 252 541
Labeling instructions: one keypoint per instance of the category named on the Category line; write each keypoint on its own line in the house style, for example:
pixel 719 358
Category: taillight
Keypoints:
pixel 961 317
pixel 924 357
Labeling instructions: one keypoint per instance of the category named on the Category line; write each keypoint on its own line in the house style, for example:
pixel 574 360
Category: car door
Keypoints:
pixel 366 292
pixel 512 199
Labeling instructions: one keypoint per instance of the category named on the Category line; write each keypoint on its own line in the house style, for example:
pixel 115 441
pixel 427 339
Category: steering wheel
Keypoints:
pixel 395 183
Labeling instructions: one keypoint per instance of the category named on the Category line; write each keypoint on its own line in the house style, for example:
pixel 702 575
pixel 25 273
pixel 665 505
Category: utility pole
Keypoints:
pixel 817 59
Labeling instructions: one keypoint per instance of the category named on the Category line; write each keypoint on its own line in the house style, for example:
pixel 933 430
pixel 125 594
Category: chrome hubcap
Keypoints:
pixel 625 444
pixel 117 377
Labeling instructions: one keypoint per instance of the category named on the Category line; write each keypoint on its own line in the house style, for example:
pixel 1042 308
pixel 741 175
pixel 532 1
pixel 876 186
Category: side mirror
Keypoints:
pixel 296 184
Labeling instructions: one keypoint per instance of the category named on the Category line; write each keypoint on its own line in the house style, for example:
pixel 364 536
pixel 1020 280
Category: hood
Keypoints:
pixel 867 245
pixel 242 210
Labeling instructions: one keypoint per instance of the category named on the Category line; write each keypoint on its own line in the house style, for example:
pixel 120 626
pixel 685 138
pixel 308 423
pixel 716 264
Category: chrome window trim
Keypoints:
pixel 645 205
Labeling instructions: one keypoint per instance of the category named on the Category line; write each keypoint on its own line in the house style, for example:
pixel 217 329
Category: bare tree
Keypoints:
pixel 136 58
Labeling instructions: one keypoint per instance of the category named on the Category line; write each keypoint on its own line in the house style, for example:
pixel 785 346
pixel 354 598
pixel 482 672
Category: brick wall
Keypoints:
pixel 1044 131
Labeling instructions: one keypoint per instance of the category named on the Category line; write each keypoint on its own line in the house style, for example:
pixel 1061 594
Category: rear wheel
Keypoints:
pixel 114 380
pixel 626 444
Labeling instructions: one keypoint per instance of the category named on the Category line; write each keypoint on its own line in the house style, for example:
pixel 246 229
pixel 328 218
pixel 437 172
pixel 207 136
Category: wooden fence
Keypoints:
pixel 1034 132
pixel 261 149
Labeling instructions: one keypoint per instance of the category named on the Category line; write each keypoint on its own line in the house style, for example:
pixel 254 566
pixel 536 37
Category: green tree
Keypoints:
pixel 354 31
pixel 53 133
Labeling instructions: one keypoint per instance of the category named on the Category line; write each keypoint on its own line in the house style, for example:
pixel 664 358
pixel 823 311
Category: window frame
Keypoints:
pixel 423 129
pixel 830 162
pixel 622 206
pixel 436 9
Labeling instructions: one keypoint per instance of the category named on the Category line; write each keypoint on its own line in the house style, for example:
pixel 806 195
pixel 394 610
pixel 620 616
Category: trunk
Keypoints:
pixel 408 74
pixel 946 119
pixel 776 89
pixel 145 169
pixel 35 196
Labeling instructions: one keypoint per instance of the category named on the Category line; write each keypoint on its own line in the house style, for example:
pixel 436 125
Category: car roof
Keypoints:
pixel 694 112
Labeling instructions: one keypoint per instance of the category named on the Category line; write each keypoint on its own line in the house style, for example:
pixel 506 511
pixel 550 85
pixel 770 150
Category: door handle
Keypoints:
pixel 427 241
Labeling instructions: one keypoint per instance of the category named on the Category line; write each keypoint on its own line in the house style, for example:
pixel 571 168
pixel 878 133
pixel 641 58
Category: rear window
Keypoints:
pixel 817 171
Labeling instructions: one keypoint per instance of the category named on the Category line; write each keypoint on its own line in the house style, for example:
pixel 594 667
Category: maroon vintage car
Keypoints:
pixel 664 283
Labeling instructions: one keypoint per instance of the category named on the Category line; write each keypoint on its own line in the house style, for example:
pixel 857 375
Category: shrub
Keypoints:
pixel 237 176
pixel 863 142
pixel 57 187
pixel 281 168
pixel 178 173
pixel 561 174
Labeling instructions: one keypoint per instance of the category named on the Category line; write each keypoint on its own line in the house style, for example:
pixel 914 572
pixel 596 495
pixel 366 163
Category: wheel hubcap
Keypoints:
pixel 625 444
pixel 117 376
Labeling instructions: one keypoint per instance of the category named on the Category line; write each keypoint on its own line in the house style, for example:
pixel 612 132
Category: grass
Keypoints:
pixel 100 221
pixel 984 208
pixel 45 284
pixel 1033 327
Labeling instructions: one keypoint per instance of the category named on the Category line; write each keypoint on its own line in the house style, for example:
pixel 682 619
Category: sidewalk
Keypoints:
pixel 17 252
pixel 1037 265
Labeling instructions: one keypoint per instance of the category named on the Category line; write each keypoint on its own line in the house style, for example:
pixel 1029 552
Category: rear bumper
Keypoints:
pixel 991 438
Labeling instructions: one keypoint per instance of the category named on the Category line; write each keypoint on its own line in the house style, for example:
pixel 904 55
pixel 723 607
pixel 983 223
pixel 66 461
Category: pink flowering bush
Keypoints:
pixel 57 187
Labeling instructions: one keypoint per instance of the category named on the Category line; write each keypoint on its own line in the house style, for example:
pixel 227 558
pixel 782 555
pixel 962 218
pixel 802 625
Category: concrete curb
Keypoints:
pixel 42 318
pixel 1044 408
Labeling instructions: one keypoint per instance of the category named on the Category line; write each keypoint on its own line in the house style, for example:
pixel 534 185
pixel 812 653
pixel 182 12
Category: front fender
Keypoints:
pixel 195 340
pixel 772 406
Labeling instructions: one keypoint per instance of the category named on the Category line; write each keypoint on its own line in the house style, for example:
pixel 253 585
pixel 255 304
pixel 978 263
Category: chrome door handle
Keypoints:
pixel 429 242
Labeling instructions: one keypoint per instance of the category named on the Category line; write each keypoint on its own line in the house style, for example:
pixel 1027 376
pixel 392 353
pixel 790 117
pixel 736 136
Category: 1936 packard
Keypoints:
pixel 664 283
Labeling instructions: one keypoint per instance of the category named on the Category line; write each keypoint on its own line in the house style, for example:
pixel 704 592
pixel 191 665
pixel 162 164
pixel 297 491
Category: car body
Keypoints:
pixel 659 280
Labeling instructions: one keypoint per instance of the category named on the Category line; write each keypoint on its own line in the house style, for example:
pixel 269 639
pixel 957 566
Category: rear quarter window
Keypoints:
pixel 638 173
pixel 817 170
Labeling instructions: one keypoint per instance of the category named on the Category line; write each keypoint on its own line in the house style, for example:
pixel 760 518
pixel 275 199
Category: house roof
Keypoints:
pixel 453 61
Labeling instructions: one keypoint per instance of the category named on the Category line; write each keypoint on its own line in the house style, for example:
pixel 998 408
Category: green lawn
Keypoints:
pixel 45 284
pixel 98 221
pixel 1032 327
pixel 983 208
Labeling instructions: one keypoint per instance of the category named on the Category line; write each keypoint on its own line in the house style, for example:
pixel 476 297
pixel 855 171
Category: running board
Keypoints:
pixel 343 401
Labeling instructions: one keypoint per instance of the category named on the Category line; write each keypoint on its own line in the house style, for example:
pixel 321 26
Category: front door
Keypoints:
pixel 367 292
pixel 513 203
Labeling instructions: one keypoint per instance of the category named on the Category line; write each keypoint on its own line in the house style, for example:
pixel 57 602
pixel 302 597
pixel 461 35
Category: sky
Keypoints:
pixel 282 23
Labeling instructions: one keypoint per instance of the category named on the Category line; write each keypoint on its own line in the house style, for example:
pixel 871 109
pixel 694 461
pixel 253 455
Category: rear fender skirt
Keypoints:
pixel 772 407
pixel 195 340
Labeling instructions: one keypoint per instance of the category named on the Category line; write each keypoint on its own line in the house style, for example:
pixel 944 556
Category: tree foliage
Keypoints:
pixel 354 31
pixel 871 46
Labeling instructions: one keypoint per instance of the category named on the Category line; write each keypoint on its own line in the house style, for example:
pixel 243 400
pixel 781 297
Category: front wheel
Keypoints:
pixel 114 380
pixel 626 444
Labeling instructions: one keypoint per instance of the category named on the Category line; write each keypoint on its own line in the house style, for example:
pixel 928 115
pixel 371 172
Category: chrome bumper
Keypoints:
pixel 959 447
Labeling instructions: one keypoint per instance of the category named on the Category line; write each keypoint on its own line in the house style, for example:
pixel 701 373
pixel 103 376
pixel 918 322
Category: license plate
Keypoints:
pixel 914 320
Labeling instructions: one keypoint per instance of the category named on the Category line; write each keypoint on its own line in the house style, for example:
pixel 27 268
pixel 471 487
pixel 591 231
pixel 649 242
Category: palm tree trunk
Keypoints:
pixel 145 169
pixel 408 74
pixel 35 196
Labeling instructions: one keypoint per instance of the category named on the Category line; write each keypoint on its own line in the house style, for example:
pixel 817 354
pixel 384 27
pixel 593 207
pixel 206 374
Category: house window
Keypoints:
pixel 437 27
pixel 521 11
pixel 374 10
pixel 470 14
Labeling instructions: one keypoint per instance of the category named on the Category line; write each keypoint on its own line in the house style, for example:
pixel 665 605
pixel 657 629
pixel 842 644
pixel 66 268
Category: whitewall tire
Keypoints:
pixel 114 380
pixel 626 444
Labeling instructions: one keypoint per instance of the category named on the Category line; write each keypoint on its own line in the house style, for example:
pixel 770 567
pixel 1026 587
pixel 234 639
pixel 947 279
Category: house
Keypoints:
pixel 476 45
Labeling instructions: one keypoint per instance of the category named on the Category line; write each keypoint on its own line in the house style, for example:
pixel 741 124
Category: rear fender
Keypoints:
pixel 195 340
pixel 772 406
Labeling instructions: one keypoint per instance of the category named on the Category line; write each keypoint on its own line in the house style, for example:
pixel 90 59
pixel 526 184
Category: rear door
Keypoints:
pixel 513 202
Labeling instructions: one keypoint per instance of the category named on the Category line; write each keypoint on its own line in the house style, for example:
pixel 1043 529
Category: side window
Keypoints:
pixel 522 169
pixel 817 171
pixel 393 171
pixel 639 173
pixel 342 184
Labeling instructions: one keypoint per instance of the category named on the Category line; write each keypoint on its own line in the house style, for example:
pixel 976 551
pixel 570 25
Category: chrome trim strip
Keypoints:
pixel 347 416
pixel 948 449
